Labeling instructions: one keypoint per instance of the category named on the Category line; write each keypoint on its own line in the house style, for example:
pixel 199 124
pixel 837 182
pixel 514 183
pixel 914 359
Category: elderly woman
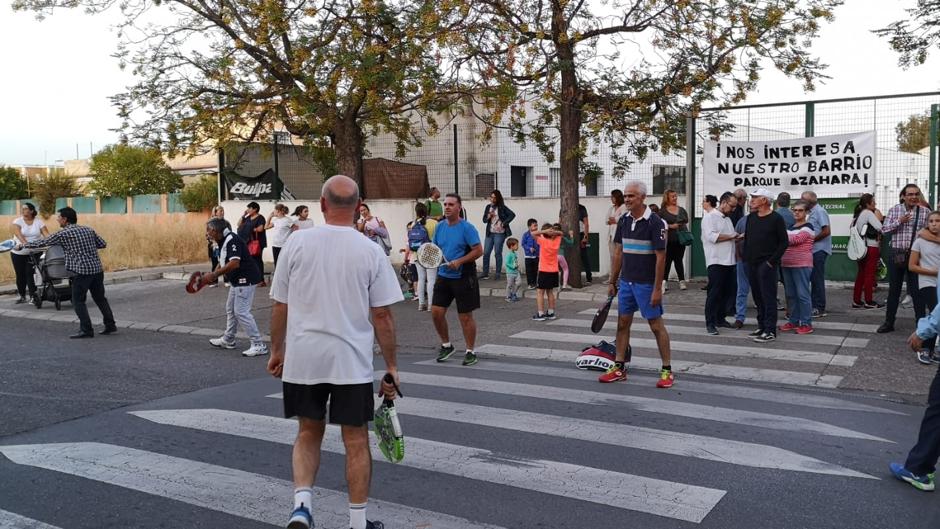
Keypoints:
pixel 26 228
pixel 797 267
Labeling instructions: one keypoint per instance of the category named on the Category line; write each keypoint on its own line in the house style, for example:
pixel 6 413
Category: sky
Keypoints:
pixel 57 75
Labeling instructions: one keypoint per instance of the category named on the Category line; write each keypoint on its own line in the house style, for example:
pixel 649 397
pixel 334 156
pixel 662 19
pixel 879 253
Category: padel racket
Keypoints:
pixel 195 283
pixel 430 255
pixel 600 317
pixel 7 245
pixel 388 428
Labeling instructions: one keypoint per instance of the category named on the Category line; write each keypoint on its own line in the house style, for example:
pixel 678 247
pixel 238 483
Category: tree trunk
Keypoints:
pixel 349 148
pixel 570 141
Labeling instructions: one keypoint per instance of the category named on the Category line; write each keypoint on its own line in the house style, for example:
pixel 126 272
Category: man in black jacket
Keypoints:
pixel 765 241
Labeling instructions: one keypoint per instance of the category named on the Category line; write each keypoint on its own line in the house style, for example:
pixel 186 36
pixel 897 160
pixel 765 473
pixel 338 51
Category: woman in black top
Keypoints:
pixel 251 227
pixel 496 217
pixel 677 219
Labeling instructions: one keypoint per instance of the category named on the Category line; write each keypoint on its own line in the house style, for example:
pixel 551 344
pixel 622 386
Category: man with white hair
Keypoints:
pixel 332 293
pixel 765 241
pixel 637 279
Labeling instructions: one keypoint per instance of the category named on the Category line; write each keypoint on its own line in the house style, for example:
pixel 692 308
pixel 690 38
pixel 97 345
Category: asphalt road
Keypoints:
pixel 156 429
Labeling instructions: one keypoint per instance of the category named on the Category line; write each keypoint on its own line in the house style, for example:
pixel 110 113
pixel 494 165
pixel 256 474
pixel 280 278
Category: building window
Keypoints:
pixel 554 182
pixel 668 177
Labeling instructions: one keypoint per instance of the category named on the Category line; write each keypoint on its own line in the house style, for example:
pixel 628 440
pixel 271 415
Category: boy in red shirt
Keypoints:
pixel 549 240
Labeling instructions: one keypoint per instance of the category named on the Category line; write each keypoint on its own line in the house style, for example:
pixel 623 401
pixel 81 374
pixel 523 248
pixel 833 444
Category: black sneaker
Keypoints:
pixel 539 317
pixel 712 330
pixel 858 305
pixel 724 324
pixel 765 337
pixel 756 333
pixel 874 305
pixel 373 525
pixel 484 276
pixel 820 313
pixel 444 353
pixel 885 327
pixel 551 316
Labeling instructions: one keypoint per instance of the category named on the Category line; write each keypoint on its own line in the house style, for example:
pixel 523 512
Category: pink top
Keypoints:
pixel 799 253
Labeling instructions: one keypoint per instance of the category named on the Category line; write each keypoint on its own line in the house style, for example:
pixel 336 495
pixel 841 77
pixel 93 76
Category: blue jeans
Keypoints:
pixel 744 289
pixel 819 280
pixel 493 241
pixel 922 459
pixel 796 283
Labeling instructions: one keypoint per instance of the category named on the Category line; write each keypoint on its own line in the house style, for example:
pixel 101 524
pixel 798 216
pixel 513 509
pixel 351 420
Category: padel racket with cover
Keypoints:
pixel 7 245
pixel 195 283
pixel 430 255
pixel 600 317
pixel 388 428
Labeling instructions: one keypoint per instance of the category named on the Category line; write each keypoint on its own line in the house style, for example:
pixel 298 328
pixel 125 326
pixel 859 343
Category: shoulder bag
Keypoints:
pixel 856 248
pixel 254 245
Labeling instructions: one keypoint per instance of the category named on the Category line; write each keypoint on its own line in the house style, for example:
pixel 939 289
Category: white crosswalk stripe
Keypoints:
pixel 792 355
pixel 244 494
pixel 663 498
pixel 710 388
pixel 10 520
pixel 857 328
pixel 816 339
pixel 680 366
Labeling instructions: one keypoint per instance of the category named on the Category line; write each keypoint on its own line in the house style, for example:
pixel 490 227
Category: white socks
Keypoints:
pixel 303 496
pixel 357 516
pixel 445 344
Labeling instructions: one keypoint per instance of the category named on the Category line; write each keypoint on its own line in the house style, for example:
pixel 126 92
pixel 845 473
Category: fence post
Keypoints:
pixel 932 183
pixel 810 117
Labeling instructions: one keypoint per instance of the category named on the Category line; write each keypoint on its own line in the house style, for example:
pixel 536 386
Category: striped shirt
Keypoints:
pixel 799 253
pixel 81 245
pixel 901 233
pixel 640 238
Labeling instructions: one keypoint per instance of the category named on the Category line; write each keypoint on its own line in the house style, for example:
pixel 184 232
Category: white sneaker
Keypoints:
pixel 665 286
pixel 256 349
pixel 682 285
pixel 221 343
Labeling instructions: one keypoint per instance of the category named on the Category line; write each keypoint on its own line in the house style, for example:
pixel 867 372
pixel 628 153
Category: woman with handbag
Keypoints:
pixel 373 228
pixel 679 236
pixel 496 217
pixel 251 230
pixel 867 220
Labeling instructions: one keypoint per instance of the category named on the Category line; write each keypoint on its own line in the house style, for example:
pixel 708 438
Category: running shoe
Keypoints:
pixel 374 525
pixel 551 316
pixel 682 285
pixel 756 333
pixel 469 359
pixel 539 317
pixel 614 374
pixel 221 343
pixel 820 313
pixel 711 330
pixel 738 324
pixel 666 379
pixel 874 305
pixel 924 483
pixel 805 329
pixel 256 349
pixel 924 357
pixel 787 327
pixel 765 337
pixel 444 353
pixel 300 518
pixel 859 305
pixel 724 324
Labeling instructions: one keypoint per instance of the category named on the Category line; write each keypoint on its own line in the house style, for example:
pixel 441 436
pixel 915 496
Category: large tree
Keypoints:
pixel 12 184
pixel 126 170
pixel 213 72
pixel 913 134
pixel 569 74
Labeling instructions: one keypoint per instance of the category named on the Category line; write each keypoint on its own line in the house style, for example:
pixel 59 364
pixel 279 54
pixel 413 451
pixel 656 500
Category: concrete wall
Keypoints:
pixel 398 213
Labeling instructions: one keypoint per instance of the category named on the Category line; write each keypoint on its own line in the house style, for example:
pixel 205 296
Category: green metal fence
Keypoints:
pixel 147 204
pixel 901 158
pixel 114 205
pixel 8 207
pixel 173 204
pixel 87 205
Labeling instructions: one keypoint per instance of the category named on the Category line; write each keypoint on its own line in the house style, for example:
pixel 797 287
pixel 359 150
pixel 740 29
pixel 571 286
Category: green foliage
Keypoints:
pixel 57 184
pixel 914 36
pixel 200 195
pixel 914 133
pixel 12 184
pixel 125 170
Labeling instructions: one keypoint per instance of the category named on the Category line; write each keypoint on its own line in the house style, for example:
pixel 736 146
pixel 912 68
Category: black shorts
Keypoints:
pixel 351 404
pixel 466 290
pixel 546 280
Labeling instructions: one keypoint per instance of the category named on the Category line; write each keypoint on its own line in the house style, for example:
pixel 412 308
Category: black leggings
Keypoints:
pixel 674 254
pixel 23 266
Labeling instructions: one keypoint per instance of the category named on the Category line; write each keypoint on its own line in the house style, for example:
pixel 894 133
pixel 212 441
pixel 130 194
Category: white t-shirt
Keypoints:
pixel 616 213
pixel 280 230
pixel 714 224
pixel 929 258
pixel 329 277
pixel 303 224
pixel 32 232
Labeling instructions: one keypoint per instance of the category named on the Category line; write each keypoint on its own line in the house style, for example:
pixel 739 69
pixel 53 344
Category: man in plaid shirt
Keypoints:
pixel 81 245
pixel 903 222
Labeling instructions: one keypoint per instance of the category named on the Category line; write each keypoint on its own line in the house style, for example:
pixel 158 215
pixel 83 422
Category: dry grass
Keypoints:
pixel 135 241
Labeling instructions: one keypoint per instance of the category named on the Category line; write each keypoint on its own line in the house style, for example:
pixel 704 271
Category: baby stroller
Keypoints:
pixel 51 277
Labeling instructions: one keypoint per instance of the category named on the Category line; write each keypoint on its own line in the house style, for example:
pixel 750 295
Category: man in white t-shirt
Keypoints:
pixel 331 281
pixel 718 239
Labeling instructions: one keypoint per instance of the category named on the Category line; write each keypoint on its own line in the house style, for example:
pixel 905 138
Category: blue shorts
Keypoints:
pixel 636 296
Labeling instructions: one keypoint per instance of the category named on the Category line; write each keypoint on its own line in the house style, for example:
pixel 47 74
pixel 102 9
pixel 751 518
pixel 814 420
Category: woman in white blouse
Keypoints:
pixel 27 228
pixel 302 220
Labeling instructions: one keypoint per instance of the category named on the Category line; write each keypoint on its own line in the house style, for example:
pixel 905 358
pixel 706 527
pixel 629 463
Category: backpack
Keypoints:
pixel 418 235
pixel 856 248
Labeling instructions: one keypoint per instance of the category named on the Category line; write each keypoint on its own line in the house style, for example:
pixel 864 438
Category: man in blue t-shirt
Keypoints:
pixel 822 249
pixel 457 279
pixel 637 277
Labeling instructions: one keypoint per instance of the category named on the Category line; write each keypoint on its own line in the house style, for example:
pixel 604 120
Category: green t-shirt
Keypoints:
pixel 435 208
pixel 512 262
pixel 566 243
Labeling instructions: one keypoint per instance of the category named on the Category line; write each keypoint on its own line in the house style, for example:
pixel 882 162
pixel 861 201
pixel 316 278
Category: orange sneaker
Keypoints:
pixel 666 379
pixel 787 327
pixel 614 374
pixel 805 329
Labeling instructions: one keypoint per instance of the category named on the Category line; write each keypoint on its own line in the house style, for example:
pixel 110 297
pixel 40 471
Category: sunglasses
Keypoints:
pixel 797 209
